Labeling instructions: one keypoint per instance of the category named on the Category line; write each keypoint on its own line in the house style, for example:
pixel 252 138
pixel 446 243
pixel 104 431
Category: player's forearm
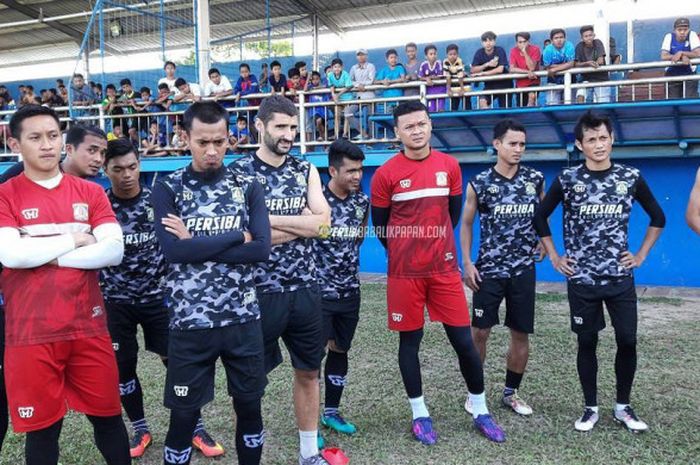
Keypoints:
pixel 650 238
pixel 466 235
pixel 549 246
pixel 692 217
pixel 280 237
pixel 302 225
pixel 31 252
pixel 107 251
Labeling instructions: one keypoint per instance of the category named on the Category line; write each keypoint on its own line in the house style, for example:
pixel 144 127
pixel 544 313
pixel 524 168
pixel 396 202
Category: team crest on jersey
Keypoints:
pixel 30 213
pixel 25 412
pixel 621 188
pixel 301 179
pixel 187 194
pixel 405 183
pixel 441 178
pixel 249 297
pixel 80 212
pixel 579 188
pixel 237 195
pixel 149 214
pixel 530 188
pixel 493 189
pixel 261 179
pixel 359 213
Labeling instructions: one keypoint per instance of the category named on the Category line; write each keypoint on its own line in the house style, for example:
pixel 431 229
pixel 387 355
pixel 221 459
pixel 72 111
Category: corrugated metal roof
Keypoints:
pixel 42 42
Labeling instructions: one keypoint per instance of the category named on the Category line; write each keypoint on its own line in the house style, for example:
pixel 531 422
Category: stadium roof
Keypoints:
pixel 61 24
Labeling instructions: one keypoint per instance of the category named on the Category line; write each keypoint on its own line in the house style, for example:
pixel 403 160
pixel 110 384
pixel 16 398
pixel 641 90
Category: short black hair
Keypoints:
pixel 452 47
pixel 327 68
pixel 275 104
pixel 76 134
pixel 556 31
pixel 111 86
pixel 275 63
pixel 119 148
pixel 145 89
pixel 505 125
pixel 411 45
pixel 524 35
pixel 59 81
pixel 169 63
pixel 29 111
pixel 590 120
pixel 78 75
pixel 243 65
pixel 293 72
pixel 315 73
pixel 125 82
pixel 300 64
pixel 242 118
pixel 341 149
pixel 163 85
pixel 428 48
pixel 179 82
pixel 405 108
pixel 586 28
pixel 391 51
pixel 213 71
pixel 336 61
pixel 30 87
pixel 99 86
pixel 488 35
pixel 206 112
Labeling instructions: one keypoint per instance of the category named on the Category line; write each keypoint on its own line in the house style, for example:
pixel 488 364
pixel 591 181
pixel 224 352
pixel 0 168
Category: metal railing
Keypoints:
pixel 321 119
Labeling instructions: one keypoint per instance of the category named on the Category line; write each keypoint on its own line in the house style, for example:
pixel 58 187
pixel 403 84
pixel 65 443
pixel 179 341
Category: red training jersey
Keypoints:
pixel 50 303
pixel 517 60
pixel 420 238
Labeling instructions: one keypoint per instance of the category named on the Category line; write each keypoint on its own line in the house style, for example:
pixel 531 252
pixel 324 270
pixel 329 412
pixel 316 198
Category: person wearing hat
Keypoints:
pixel 362 74
pixel 681 46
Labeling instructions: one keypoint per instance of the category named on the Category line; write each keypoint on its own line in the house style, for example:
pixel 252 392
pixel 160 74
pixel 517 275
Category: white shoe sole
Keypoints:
pixel 631 430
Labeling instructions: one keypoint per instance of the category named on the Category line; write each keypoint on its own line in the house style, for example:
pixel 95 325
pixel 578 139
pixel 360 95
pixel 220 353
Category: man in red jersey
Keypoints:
pixel 416 202
pixel 57 231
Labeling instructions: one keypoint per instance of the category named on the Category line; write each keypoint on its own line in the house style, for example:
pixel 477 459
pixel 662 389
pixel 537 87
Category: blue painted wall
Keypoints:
pixel 675 259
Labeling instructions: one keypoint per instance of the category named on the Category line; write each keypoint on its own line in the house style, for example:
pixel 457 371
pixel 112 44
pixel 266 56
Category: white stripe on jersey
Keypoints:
pixel 421 194
pixel 53 229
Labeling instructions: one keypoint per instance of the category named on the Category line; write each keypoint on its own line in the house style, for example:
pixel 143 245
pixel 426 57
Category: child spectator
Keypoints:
pixel 111 107
pixel 392 73
pixel 294 84
pixel 412 68
pixel 264 79
pixel 431 69
pixel 239 134
pixel 340 83
pixel 247 84
pixel 525 58
pixel 303 73
pixel 491 60
pixel 164 98
pixel 169 78
pixel 453 67
pixel 127 100
pixel 557 56
pixel 316 115
pixel 218 86
pixel 178 143
pixel 186 91
pixel 278 83
pixel 152 146
pixel 324 78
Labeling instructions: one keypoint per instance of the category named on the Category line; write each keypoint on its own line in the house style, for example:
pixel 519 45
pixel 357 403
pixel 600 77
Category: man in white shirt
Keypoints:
pixel 218 85
pixel 187 91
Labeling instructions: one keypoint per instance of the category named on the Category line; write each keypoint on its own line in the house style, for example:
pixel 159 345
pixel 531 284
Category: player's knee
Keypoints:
pixel 127 369
pixel 481 335
pixel 306 377
pixel 588 340
pixel 247 409
pixel 519 340
pixel 626 341
pixel 332 346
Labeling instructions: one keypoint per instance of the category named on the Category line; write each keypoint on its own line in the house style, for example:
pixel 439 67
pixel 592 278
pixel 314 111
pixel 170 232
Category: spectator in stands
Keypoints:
pixel 111 107
pixel 341 85
pixel 453 69
pixel 557 56
pixel 590 53
pixel 525 58
pixel 412 66
pixel 615 58
pixel 544 46
pixel 59 83
pixel 169 78
pixel 316 115
pixel 63 93
pixel 127 100
pixel 491 60
pixel 44 95
pixel 392 73
pixel 82 94
pixel 179 140
pixel 152 146
pixel 247 84
pixel 362 74
pixel 218 87
pixel 294 84
pixel 29 97
pixel 133 136
pixel 164 98
pixel 54 98
pixel 303 73
pixel 22 89
pixel 277 80
pixel 264 79
pixel 239 134
pixel 432 69
pixel 97 90
pixel 681 46
pixel 116 133
pixel 190 92
pixel 324 78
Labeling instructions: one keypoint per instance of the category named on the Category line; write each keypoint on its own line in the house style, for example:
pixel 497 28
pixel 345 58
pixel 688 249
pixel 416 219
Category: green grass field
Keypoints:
pixel 665 395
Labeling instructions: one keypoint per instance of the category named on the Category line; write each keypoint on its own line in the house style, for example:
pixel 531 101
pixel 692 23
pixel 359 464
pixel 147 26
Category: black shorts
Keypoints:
pixel 519 292
pixel 340 318
pixel 586 306
pixel 123 320
pixel 192 357
pixel 296 318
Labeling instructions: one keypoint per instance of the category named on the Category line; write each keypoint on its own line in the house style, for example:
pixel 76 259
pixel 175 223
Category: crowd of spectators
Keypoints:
pixel 341 112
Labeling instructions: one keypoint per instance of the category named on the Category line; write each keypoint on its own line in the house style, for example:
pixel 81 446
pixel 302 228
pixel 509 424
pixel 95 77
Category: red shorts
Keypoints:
pixel 44 380
pixel 443 295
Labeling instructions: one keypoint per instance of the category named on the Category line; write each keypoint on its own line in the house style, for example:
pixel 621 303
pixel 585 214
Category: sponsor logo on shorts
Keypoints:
pixel 479 312
pixel 253 441
pixel 30 213
pixel 25 412
pixel 177 456
pixel 405 183
pixel 96 311
pixel 579 188
pixel 397 317
pixel 578 320
pixel 337 380
pixel 441 178
pixel 127 388
pixel 115 346
pixel 80 212
pixel 181 391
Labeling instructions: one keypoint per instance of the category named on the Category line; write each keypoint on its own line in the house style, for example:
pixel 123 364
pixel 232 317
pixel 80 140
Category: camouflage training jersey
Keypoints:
pixel 210 277
pixel 506 209
pixel 338 256
pixel 138 279
pixel 597 208
pixel 291 265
